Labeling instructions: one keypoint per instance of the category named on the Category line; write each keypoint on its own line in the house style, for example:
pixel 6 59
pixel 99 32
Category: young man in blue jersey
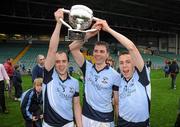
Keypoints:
pixel 60 90
pixel 101 83
pixel 134 88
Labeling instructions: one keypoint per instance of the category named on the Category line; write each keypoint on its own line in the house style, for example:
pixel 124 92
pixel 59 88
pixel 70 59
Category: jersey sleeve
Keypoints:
pixel 76 88
pixel 47 75
pixel 117 80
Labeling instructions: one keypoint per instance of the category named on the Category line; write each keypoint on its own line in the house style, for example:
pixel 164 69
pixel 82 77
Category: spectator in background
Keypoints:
pixel 23 67
pixel 29 71
pixel 31 105
pixel 173 70
pixel 9 69
pixel 148 64
pixel 17 82
pixel 177 123
pixel 3 76
pixel 38 69
pixel 71 70
pixel 110 62
pixel 166 69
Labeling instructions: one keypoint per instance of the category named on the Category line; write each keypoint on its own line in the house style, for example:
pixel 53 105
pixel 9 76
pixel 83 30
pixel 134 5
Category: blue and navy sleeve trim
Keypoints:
pixel 47 75
pixel 83 68
pixel 115 88
pixel 143 78
pixel 76 94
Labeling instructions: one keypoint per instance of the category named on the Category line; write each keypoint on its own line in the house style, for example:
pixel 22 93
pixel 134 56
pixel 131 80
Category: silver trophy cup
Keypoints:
pixel 80 19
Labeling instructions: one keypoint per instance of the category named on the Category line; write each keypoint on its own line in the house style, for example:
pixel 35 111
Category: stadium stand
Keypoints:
pixel 10 50
pixel 170 56
pixel 29 59
pixel 157 61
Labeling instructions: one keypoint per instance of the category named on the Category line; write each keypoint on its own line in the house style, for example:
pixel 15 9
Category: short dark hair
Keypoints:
pixel 104 44
pixel 124 53
pixel 61 52
pixel 8 59
pixel 174 62
pixel 16 66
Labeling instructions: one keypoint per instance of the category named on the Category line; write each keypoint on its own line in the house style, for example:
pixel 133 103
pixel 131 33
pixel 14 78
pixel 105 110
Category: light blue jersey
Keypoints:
pixel 134 98
pixel 58 98
pixel 99 86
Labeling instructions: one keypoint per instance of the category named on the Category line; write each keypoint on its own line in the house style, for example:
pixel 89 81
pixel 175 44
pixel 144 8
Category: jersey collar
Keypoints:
pixel 68 77
pixel 106 67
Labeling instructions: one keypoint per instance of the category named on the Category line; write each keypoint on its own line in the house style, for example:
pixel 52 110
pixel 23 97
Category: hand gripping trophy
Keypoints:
pixel 80 19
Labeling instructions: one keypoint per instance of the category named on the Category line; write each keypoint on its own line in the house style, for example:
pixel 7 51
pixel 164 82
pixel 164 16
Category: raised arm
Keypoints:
pixel 54 41
pixel 76 46
pixel 136 56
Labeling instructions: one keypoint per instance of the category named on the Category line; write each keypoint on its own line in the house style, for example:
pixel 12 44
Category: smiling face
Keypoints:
pixel 62 63
pixel 100 53
pixel 126 65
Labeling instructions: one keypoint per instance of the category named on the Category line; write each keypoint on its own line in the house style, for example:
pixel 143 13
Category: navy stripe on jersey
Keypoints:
pixel 106 67
pixel 89 112
pixel 124 123
pixel 83 68
pixel 50 116
pixel 65 79
pixel 48 76
pixel 143 79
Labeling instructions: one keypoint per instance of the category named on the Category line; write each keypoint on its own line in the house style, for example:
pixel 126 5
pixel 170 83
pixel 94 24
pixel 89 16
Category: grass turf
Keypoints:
pixel 164 102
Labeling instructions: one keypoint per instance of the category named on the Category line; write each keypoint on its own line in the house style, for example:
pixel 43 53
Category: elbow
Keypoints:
pixel 73 50
pixel 70 48
pixel 132 48
pixel 76 45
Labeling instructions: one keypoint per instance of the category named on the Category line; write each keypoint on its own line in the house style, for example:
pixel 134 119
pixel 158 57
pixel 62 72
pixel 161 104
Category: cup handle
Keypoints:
pixel 65 10
pixel 91 30
pixel 95 19
pixel 63 22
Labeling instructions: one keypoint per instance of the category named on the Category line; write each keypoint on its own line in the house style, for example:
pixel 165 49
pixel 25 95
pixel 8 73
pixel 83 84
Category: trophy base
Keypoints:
pixel 76 35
